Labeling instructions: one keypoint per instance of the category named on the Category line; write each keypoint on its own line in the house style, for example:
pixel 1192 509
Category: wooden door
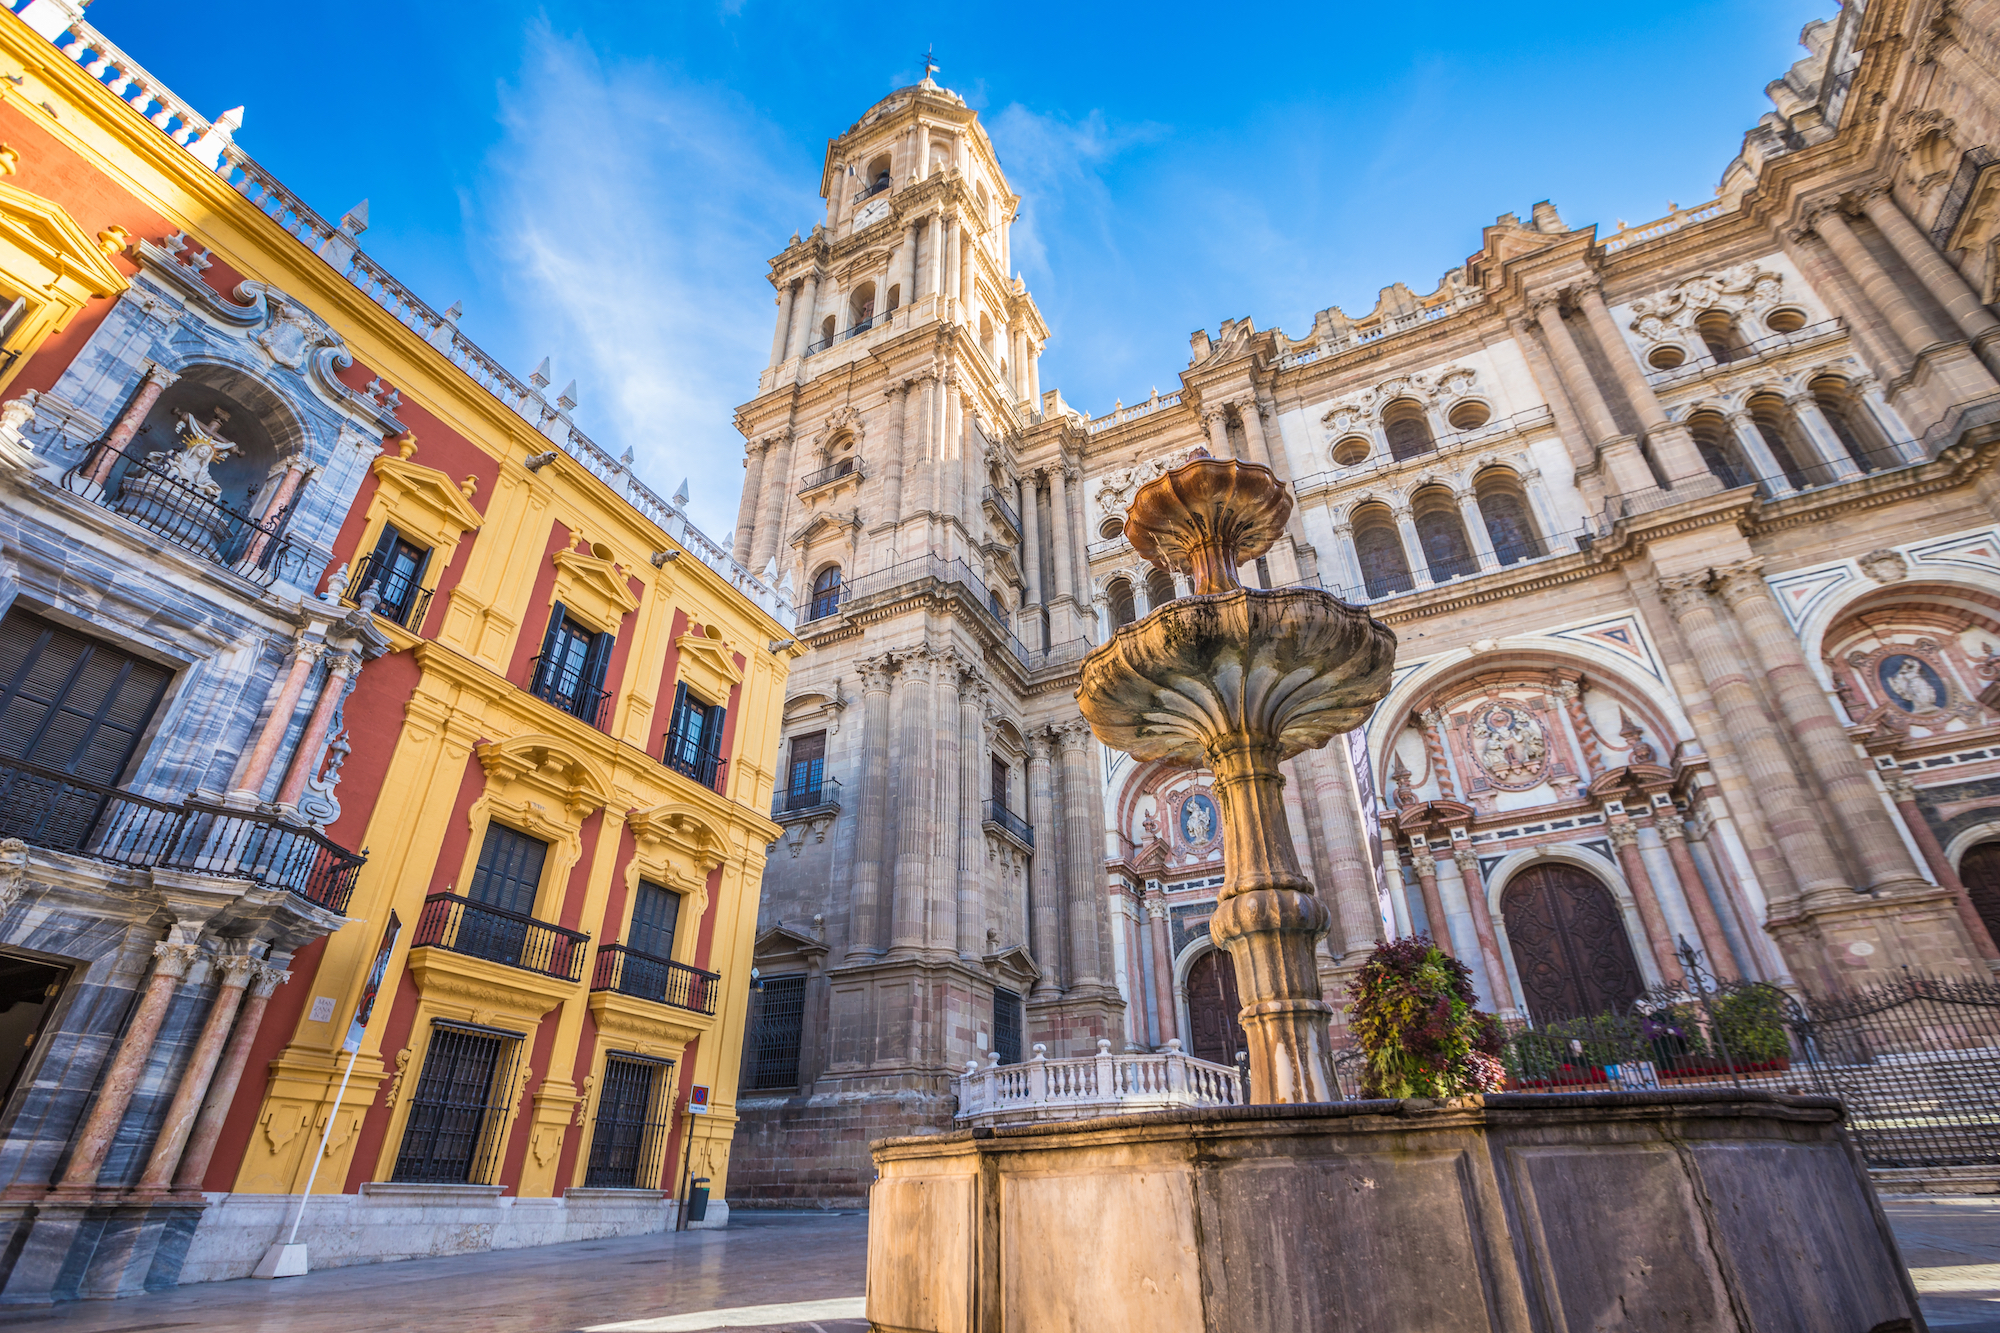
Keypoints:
pixel 1569 943
pixel 1213 1030
pixel 1979 871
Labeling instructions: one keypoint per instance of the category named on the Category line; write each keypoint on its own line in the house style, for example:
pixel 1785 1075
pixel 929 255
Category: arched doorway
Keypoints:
pixel 1979 871
pixel 1213 1030
pixel 1569 943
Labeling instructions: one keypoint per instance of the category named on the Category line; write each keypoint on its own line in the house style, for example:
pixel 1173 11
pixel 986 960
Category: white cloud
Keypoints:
pixel 630 212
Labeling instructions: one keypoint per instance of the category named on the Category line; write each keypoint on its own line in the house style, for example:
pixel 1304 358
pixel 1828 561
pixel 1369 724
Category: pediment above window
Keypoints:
pixel 593 589
pixel 708 665
pixel 547 766
pixel 424 502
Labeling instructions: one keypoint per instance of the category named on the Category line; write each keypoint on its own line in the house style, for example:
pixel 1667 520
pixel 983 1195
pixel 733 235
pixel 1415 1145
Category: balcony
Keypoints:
pixel 52 810
pixel 399 603
pixel 804 802
pixel 846 468
pixel 131 485
pixel 459 925
pixel 997 502
pixel 1042 1089
pixel 701 765
pixel 1009 824
pixel 853 330
pixel 644 977
pixel 586 703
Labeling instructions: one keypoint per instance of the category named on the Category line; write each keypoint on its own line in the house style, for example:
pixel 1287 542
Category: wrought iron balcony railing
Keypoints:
pixel 791 800
pixel 846 467
pixel 479 930
pixel 998 813
pixel 46 808
pixel 584 702
pixel 1001 506
pixel 397 600
pixel 661 980
pixel 136 489
pixel 703 766
pixel 853 330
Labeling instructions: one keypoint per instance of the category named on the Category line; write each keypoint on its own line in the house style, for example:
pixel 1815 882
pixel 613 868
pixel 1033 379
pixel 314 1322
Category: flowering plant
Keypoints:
pixel 1412 1013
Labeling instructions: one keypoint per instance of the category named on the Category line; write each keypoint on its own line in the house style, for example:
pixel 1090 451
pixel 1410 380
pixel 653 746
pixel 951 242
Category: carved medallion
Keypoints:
pixel 1510 745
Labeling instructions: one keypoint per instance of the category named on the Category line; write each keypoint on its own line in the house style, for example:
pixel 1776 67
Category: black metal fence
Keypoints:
pixel 1915 1058
pixel 660 980
pixel 479 930
pixel 46 808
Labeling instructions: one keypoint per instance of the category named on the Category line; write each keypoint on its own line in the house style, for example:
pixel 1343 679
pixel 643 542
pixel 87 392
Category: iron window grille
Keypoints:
pixel 628 1141
pixel 780 1025
pixel 1007 1026
pixel 459 1108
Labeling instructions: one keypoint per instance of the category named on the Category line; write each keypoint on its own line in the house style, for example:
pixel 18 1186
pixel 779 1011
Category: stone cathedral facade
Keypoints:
pixel 1688 532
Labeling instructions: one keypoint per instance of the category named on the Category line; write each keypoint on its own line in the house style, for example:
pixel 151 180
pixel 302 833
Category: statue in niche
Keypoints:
pixel 201 448
pixel 1509 744
pixel 1910 681
pixel 1197 820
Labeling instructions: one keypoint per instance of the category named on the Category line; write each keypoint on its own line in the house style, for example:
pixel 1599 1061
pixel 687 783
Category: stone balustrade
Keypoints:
pixel 1042 1089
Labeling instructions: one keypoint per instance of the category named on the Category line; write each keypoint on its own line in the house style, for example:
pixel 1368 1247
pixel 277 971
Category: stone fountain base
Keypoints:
pixel 1703 1210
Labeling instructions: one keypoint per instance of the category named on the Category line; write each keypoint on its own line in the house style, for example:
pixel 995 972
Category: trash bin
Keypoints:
pixel 698 1200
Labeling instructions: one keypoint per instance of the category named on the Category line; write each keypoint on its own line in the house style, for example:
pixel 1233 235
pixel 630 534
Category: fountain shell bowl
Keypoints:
pixel 1287 666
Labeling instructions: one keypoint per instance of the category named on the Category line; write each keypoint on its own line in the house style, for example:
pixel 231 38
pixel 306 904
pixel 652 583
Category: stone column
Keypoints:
pixel 1399 905
pixel 1060 530
pixel 181 1112
pixel 1426 867
pixel 312 743
pixel 1828 445
pixel 1904 793
pixel 934 243
pixel 1913 330
pixel 971 878
pixel 1944 282
pixel 1163 966
pixel 1046 888
pixel 914 800
pixel 274 510
pixel 1031 537
pixel 1502 999
pixel 1883 858
pixel 1351 872
pixel 1215 421
pixel 151 385
pixel 951 258
pixel 908 266
pixel 892 448
pixel 1475 530
pixel 1251 415
pixel 922 166
pixel 1707 924
pixel 1035 376
pixel 777 482
pixel 1625 837
pixel 1413 546
pixel 1758 450
pixel 1673 446
pixel 1788 813
pixel 946 477
pixel 804 308
pixel 753 493
pixel 1887 419
pixel 257 766
pixel 266 976
pixel 1625 470
pixel 114 1090
pixel 865 924
pixel 1083 850
pixel 784 303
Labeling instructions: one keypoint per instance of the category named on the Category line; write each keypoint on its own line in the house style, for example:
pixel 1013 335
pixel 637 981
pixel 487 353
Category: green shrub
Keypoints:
pixel 1412 1014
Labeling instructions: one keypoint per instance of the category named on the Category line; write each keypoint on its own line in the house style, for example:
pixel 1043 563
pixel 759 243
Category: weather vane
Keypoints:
pixel 931 65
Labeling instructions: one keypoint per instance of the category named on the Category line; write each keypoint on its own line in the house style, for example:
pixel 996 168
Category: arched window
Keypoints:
pixel 1379 546
pixel 894 300
pixel 825 333
pixel 1718 332
pixel 1718 447
pixel 1159 587
pixel 878 174
pixel 1123 612
pixel 1783 438
pixel 1849 418
pixel 861 307
pixel 1447 550
pixel 825 593
pixel 1409 432
pixel 1509 521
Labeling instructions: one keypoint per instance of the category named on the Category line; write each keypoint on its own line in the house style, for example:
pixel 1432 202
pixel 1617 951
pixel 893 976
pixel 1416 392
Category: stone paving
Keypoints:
pixel 774 1272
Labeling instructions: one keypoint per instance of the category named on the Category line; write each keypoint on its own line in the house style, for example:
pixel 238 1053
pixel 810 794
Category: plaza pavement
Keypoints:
pixel 795 1272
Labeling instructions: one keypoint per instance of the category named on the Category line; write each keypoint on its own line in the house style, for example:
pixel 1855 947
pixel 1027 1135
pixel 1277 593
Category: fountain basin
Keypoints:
pixel 1710 1209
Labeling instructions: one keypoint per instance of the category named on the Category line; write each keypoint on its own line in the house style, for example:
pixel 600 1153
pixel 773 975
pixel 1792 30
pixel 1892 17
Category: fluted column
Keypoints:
pixel 1031 536
pixel 265 752
pixel 946 478
pixel 114 1090
pixel 934 247
pixel 1352 890
pixel 1904 793
pixel 1474 520
pixel 941 931
pixel 865 930
pixel 1673 446
pixel 777 483
pixel 265 977
pixel 1426 867
pixel 1883 858
pixel 1059 523
pixel 1788 813
pixel 1828 445
pixel 892 449
pixel 1215 422
pixel 1413 546
pixel 908 266
pixel 1399 904
pixel 1083 853
pixel 1626 471
pixel 783 301
pixel 804 308
pixel 1047 885
pixel 971 878
pixel 1913 330
pixel 151 385
pixel 236 971
pixel 1707 924
pixel 1161 941
pixel 1251 415
pixel 1502 998
pixel 312 742
pixel 919 442
pixel 753 495
pixel 1944 282
pixel 915 798
pixel 1625 838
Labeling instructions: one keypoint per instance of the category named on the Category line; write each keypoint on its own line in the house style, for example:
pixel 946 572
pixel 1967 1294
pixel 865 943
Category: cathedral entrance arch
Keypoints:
pixel 1979 871
pixel 1214 1031
pixel 1569 943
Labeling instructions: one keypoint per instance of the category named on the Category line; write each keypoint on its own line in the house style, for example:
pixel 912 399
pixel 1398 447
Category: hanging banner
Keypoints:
pixel 364 1010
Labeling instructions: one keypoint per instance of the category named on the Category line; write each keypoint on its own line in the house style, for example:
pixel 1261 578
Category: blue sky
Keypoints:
pixel 602 183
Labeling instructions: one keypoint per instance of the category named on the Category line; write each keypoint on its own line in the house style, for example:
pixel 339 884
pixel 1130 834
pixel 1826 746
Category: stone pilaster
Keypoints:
pixel 1659 939
pixel 1046 890
pixel 865 925
pixel 915 797
pixel 971 878
pixel 1083 855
